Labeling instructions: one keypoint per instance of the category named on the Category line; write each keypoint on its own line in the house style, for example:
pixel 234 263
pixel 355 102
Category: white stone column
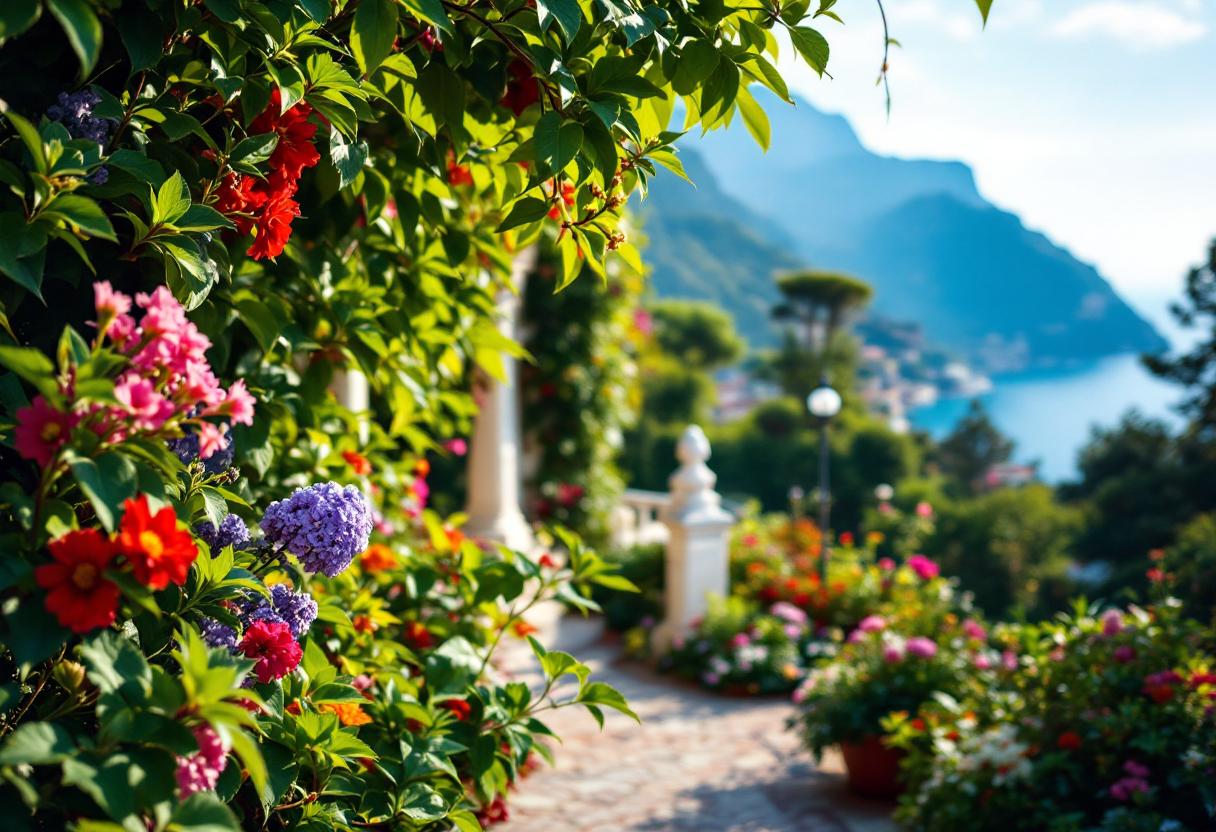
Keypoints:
pixel 494 453
pixel 351 390
pixel 698 552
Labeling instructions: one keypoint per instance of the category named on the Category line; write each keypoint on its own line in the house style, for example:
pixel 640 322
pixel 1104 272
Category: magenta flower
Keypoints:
pixel 201 771
pixel 42 430
pixel 893 652
pixel 872 624
pixel 271 643
pixel 886 564
pixel 211 440
pixel 925 569
pixel 456 446
pixel 1010 660
pixel 1112 623
pixel 237 405
pixel 981 662
pixel 740 640
pixel 123 331
pixel 110 305
pixel 975 630
pixel 922 648
pixel 1125 654
pixel 923 509
pixel 787 611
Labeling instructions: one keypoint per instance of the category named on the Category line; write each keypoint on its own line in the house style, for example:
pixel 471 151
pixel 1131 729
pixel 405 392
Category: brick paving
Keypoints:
pixel 697 762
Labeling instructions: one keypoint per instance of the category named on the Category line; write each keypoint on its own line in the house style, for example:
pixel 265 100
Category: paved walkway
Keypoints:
pixel 697 762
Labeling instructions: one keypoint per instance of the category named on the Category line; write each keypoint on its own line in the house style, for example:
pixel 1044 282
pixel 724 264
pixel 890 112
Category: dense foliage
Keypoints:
pixel 213 211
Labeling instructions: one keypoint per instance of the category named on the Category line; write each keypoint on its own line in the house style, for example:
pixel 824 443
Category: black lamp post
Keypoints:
pixel 823 403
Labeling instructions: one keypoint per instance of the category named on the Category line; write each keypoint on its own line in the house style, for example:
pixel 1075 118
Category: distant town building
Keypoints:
pixel 1009 475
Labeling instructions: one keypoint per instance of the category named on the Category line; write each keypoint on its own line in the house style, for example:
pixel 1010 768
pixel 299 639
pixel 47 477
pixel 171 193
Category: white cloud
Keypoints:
pixel 1142 25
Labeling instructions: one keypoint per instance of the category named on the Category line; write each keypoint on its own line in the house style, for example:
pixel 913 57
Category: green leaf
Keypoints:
pixel 82 214
pixel 33 141
pixel 203 812
pixel 34 634
pixel 143 36
pixel 600 693
pixel 566 12
pixel 373 33
pixel 202 218
pixel 754 118
pixel 18 15
pixel 82 27
pixel 29 363
pixel 22 251
pixel 557 142
pixel 255 149
pixel 812 46
pixel 260 321
pixel 668 159
pixel 985 7
pixel 37 743
pixel 431 11
pixel 348 159
pixel 107 481
pixel 172 201
pixel 529 209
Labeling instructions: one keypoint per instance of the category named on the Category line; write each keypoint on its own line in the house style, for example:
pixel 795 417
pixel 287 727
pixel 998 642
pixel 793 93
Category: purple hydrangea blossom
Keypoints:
pixel 232 532
pixel 324 525
pixel 217 634
pixel 75 112
pixel 186 449
pixel 295 609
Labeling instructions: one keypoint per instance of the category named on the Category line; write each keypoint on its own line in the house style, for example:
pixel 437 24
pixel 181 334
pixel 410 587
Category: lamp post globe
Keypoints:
pixel 823 403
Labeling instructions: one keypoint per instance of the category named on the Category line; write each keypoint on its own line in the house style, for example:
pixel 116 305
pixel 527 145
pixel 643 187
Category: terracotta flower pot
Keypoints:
pixel 873 768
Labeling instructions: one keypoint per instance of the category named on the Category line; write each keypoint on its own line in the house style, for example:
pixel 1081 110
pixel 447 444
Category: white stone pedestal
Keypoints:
pixel 351 390
pixel 698 552
pixel 494 452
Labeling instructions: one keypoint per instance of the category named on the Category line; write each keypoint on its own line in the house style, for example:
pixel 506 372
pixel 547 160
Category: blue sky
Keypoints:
pixel 1094 120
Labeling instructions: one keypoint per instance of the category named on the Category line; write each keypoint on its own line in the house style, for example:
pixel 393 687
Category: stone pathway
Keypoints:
pixel 697 762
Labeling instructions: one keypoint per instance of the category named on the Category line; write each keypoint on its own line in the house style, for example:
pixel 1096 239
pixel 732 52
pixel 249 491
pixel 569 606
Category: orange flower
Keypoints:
pixel 159 551
pixel 80 596
pixel 377 558
pixel 455 537
pixel 874 538
pixel 293 708
pixel 348 714
pixel 417 636
pixel 364 624
pixel 522 628
pixel 422 467
pixel 357 461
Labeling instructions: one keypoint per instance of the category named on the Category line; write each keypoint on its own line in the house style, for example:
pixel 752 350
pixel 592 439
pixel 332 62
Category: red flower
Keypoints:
pixel 1198 679
pixel 522 92
pixel 522 628
pixel 80 596
pixel 846 538
pixel 1068 741
pixel 1155 575
pixel 459 708
pixel 295 151
pixel 567 197
pixel 417 636
pixel 293 708
pixel 42 430
pixel 918 724
pixel 159 552
pixel 241 195
pixel 546 561
pixel 274 225
pixel 359 462
pixel 271 643
pixel 494 813
pixel 458 174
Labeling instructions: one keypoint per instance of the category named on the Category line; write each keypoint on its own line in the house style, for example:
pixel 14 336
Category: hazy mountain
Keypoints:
pixel 919 231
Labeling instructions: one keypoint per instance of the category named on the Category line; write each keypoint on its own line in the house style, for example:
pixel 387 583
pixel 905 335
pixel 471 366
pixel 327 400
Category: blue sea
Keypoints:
pixel 1050 413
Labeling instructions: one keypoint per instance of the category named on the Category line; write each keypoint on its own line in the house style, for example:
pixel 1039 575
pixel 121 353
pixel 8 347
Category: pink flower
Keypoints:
pixel 981 662
pixel 110 305
pixel 123 331
pixel 801 692
pixel 922 648
pixel 793 631
pixel 1125 654
pixel 201 771
pixel 456 446
pixel 974 630
pixel 42 430
pixel 892 653
pixel 872 624
pixel 272 644
pixel 1010 660
pixel 856 637
pixel 210 440
pixel 788 611
pixel 238 404
pixel 750 540
pixel 741 640
pixel 1127 788
pixel 1136 770
pixel 385 527
pixel 149 410
pixel 886 564
pixel 923 567
pixel 361 682
pixel 643 321
pixel 1112 623
pixel 923 509
pixel 421 491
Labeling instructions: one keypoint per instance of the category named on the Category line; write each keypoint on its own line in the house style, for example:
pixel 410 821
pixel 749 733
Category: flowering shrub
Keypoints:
pixel 738 649
pixel 1099 721
pixel 883 669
